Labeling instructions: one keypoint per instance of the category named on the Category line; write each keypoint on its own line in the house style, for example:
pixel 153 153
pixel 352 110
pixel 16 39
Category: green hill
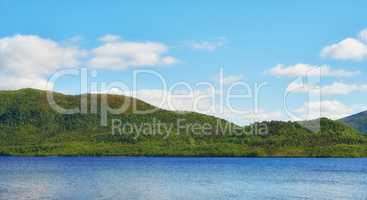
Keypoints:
pixel 29 126
pixel 357 121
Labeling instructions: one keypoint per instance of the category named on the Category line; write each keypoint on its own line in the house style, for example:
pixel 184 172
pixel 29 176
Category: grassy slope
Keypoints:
pixel 28 126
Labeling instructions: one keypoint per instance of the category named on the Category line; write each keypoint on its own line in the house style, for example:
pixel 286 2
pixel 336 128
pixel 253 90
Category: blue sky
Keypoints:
pixel 246 39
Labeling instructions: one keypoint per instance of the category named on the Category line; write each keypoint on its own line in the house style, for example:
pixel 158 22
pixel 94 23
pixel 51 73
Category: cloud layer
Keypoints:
pixel 27 60
pixel 303 70
pixel 336 88
pixel 327 108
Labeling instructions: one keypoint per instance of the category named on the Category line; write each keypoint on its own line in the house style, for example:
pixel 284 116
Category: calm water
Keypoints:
pixel 182 178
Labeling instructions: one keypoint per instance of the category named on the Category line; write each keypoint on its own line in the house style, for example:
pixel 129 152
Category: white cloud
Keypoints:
pixel 117 54
pixel 208 45
pixel 201 101
pixel 263 115
pixel 178 100
pixel 31 55
pixel 204 102
pixel 248 116
pixel 25 60
pixel 296 87
pixel 336 88
pixel 18 82
pixel 347 49
pixel 309 71
pixel 327 108
pixel 339 88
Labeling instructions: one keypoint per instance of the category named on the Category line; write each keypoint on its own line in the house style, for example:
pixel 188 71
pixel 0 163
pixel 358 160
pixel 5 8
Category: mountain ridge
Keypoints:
pixel 358 121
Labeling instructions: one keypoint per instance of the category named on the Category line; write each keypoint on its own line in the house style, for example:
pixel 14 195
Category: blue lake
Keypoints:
pixel 143 178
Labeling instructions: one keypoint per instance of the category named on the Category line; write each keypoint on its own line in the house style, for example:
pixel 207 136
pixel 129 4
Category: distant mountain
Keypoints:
pixel 29 126
pixel 357 121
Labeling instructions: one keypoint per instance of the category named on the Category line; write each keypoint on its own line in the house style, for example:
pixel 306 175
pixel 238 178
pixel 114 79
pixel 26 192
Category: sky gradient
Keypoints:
pixel 253 42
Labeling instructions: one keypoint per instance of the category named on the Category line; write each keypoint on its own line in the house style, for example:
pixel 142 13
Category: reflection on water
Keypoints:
pixel 182 178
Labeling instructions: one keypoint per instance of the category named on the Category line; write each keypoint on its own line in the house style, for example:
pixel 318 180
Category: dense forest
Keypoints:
pixel 30 127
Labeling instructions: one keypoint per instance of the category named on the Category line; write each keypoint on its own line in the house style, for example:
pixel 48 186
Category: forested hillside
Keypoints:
pixel 29 126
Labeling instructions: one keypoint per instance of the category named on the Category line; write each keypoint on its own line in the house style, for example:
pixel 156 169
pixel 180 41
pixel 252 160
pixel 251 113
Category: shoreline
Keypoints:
pixel 173 156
